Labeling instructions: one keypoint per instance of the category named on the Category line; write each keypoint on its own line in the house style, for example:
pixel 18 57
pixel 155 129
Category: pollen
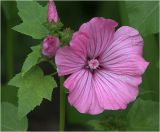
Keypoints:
pixel 93 64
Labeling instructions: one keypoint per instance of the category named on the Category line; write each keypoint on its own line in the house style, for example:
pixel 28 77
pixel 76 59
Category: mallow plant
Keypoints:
pixel 102 65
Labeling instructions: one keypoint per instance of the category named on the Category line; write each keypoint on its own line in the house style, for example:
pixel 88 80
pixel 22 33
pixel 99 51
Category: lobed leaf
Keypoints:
pixel 33 16
pixel 33 87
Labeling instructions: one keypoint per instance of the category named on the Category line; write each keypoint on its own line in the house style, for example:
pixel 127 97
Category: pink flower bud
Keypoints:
pixel 50 46
pixel 52 12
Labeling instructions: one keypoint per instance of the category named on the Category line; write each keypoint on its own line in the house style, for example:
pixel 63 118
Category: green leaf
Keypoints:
pixel 32 59
pixel 9 119
pixel 144 16
pixel 144 115
pixel 33 87
pixel 151 75
pixel 37 31
pixel 33 16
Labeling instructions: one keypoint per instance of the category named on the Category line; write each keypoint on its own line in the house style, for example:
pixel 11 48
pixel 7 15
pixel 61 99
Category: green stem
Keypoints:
pixel 62 105
pixel 54 73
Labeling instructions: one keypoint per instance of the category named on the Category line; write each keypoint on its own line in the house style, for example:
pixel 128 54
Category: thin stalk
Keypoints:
pixel 62 106
pixel 54 73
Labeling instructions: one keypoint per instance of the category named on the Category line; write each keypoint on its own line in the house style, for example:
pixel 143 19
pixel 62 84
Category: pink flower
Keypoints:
pixel 105 66
pixel 50 46
pixel 52 12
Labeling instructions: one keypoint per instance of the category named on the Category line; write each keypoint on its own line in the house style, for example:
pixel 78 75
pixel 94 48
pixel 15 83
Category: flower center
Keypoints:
pixel 93 64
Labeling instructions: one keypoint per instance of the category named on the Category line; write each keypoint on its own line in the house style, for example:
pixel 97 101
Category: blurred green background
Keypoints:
pixel 141 115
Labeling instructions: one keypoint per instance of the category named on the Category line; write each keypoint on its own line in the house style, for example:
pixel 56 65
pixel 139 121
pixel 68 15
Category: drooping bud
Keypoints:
pixel 50 46
pixel 52 12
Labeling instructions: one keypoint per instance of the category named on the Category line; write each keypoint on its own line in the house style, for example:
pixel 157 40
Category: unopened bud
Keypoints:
pixel 50 46
pixel 52 12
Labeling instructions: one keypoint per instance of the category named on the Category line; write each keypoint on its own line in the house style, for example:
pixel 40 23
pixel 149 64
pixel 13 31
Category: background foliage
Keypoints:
pixel 140 115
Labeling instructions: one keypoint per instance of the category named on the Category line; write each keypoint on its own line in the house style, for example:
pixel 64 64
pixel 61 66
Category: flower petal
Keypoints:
pixel 79 42
pixel 82 92
pixel 124 55
pixel 115 91
pixel 68 61
pixel 100 33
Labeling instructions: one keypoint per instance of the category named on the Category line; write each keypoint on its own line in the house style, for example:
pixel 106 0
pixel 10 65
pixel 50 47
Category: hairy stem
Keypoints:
pixel 62 105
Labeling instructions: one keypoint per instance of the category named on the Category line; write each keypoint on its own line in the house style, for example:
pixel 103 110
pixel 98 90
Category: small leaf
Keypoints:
pixel 33 87
pixel 54 28
pixel 66 36
pixel 9 119
pixel 33 16
pixel 143 116
pixel 143 16
pixel 32 59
